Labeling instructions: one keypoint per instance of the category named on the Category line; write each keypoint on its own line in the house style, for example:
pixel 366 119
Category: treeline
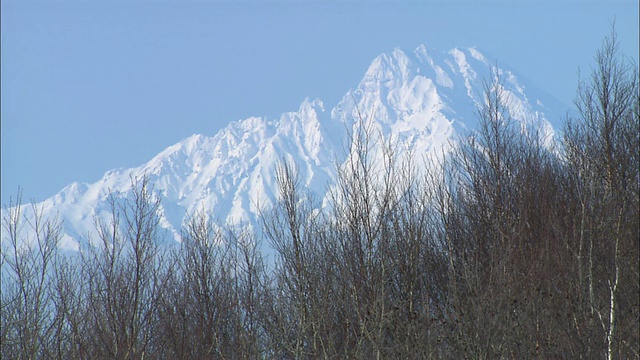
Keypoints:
pixel 510 246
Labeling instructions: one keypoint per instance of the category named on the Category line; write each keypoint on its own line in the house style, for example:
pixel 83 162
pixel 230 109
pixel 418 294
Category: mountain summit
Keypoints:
pixel 421 98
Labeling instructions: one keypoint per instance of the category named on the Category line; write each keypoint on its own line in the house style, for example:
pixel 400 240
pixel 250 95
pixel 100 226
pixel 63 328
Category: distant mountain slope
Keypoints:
pixel 422 98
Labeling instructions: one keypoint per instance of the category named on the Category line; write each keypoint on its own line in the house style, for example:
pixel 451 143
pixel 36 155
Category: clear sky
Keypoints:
pixel 88 86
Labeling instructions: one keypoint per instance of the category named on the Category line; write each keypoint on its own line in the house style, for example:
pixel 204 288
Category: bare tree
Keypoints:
pixel 125 275
pixel 212 305
pixel 26 311
pixel 602 148
pixel 291 228
pixel 501 188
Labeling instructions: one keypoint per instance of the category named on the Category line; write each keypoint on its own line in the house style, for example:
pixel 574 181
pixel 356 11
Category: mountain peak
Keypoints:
pixel 421 97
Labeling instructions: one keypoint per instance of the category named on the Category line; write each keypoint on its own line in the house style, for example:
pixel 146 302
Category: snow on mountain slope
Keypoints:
pixel 421 98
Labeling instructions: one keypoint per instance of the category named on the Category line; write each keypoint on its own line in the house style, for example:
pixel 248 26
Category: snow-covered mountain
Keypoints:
pixel 421 97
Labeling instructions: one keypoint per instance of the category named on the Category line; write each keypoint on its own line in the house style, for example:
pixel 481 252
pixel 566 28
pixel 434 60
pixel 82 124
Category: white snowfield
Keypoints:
pixel 421 98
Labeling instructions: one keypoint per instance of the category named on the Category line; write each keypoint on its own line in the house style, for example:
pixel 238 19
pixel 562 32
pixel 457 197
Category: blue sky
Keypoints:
pixel 88 86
